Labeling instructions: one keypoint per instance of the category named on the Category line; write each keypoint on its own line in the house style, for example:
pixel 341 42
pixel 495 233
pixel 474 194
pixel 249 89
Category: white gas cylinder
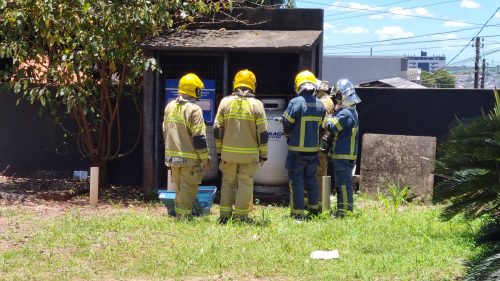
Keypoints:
pixel 273 172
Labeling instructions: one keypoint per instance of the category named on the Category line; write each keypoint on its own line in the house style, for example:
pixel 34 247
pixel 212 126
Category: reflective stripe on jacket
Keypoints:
pixel 344 127
pixel 240 129
pixel 184 133
pixel 302 121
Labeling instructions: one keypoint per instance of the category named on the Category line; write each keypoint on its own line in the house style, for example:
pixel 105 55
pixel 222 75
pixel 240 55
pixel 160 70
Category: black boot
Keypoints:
pixel 314 212
pixel 223 220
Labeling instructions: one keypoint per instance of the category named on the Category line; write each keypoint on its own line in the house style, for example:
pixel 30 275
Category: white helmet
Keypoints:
pixel 349 96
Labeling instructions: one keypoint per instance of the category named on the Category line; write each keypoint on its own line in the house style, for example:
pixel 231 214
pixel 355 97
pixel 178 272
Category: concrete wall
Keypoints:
pixel 362 69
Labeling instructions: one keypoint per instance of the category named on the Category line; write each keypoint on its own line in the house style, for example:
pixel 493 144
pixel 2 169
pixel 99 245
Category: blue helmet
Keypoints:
pixel 349 96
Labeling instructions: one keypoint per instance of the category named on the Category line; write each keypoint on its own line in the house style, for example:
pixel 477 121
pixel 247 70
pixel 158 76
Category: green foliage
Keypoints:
pixel 395 197
pixel 84 56
pixel 470 167
pixel 486 265
pixel 142 243
pixel 438 79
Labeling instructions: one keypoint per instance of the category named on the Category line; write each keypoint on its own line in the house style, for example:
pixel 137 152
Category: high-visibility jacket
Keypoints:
pixel 344 127
pixel 184 133
pixel 301 123
pixel 326 100
pixel 328 104
pixel 240 129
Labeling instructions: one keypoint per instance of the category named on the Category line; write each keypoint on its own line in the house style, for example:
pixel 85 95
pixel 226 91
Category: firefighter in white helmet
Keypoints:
pixel 185 143
pixel 343 139
pixel 241 137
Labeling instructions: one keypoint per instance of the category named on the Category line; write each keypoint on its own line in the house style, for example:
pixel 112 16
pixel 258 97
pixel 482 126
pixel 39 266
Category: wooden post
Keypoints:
pixel 326 188
pixel 94 185
pixel 170 181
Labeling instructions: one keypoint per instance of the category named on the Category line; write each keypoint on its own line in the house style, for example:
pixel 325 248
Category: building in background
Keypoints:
pixel 363 69
pixel 425 62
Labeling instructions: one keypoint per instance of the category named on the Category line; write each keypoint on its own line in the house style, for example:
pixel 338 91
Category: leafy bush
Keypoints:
pixel 471 167
pixel 486 266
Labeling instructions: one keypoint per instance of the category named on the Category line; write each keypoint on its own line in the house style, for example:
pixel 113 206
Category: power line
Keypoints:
pixel 388 4
pixel 472 59
pixel 395 50
pixel 401 43
pixel 382 12
pixel 362 9
pixel 484 25
pixel 416 36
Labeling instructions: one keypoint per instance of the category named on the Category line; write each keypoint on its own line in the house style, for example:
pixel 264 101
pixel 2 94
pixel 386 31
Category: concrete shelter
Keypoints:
pixel 275 44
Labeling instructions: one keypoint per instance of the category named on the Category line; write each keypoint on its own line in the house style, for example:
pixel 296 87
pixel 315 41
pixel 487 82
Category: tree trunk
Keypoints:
pixel 103 175
pixel 103 172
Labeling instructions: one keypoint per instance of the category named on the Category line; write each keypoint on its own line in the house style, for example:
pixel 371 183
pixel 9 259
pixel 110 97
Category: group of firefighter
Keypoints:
pixel 319 118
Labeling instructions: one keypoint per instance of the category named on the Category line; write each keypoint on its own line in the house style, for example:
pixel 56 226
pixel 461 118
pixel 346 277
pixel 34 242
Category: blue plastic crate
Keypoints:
pixel 201 205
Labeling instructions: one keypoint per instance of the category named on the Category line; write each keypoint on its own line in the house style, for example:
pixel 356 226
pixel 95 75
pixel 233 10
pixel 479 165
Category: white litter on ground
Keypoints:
pixel 325 255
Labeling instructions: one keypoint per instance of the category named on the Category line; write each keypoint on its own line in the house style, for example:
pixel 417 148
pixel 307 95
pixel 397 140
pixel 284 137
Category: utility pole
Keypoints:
pixel 476 64
pixel 371 51
pixel 483 77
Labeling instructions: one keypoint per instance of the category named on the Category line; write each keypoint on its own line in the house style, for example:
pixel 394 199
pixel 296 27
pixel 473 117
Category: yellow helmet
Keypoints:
pixel 191 85
pixel 304 77
pixel 245 78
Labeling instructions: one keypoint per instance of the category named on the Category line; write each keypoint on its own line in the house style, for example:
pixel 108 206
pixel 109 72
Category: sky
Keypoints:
pixel 407 27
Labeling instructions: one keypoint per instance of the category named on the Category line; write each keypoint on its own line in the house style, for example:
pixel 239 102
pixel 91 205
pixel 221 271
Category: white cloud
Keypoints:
pixel 469 4
pixel 354 30
pixel 328 26
pixel 391 32
pixel 377 17
pixel 331 28
pixel 422 12
pixel 352 6
pixel 402 13
pixel 455 24
pixel 358 6
pixel 497 15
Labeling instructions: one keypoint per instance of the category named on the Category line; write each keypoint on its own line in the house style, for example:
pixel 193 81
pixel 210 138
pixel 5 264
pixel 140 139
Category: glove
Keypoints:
pixel 262 160
pixel 325 143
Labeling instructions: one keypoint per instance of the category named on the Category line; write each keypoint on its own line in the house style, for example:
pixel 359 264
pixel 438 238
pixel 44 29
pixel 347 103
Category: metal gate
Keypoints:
pixel 174 66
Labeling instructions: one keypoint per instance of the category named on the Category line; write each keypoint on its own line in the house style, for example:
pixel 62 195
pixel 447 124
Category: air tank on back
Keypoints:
pixel 273 172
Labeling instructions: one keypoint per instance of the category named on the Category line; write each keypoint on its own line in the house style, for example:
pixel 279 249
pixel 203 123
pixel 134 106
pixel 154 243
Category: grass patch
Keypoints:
pixel 376 243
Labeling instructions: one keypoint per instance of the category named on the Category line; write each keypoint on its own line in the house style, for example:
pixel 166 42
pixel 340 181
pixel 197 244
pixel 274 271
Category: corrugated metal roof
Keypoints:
pixel 398 82
pixel 207 39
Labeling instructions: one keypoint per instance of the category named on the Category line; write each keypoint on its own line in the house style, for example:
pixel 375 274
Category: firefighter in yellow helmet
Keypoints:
pixel 301 122
pixel 185 143
pixel 241 136
pixel 322 93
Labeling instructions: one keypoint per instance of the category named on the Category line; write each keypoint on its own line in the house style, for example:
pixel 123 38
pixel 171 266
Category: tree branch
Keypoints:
pixel 139 133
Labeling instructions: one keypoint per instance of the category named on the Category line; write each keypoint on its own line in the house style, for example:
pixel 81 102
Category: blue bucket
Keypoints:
pixel 201 206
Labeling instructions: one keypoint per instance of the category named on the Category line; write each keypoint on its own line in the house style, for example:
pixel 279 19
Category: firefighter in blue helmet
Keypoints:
pixel 342 142
pixel 301 123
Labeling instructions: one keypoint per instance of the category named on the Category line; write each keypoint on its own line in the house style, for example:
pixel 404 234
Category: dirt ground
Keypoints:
pixel 46 196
